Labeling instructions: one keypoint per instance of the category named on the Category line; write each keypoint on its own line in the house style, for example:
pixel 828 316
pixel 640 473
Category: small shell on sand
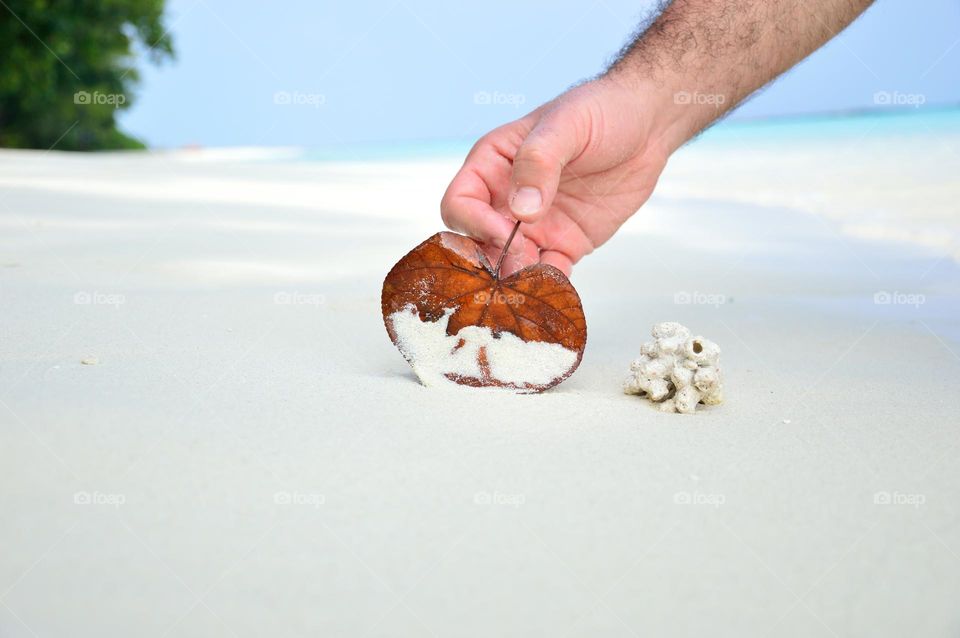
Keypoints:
pixel 90 361
pixel 677 370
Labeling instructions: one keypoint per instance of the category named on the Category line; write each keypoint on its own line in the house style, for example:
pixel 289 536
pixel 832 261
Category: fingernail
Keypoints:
pixel 526 201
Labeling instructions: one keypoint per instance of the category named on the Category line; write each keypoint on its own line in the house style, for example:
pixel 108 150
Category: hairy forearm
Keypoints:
pixel 700 58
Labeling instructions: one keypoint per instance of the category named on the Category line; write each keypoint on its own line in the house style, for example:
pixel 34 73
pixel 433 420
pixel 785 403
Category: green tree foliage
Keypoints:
pixel 67 66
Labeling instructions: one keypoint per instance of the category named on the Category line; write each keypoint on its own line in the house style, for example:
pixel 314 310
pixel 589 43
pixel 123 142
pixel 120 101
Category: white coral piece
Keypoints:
pixel 677 370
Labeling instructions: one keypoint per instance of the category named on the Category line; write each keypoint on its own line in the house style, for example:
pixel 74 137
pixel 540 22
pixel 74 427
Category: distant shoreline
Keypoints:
pixel 439 149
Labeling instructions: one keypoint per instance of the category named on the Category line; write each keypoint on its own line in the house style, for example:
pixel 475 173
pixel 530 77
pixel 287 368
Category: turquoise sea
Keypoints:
pixel 903 122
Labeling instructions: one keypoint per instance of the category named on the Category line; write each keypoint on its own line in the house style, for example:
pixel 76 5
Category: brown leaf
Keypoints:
pixel 448 277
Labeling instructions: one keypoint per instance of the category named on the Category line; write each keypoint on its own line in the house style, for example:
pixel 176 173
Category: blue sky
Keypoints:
pixel 410 70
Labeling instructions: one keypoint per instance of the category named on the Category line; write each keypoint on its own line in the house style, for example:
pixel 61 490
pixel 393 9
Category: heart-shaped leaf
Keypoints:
pixel 454 318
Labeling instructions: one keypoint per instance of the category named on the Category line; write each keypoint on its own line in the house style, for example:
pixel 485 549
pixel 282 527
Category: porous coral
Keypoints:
pixel 676 370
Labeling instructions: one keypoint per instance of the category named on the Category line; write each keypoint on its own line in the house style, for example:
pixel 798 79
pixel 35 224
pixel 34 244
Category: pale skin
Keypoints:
pixel 576 168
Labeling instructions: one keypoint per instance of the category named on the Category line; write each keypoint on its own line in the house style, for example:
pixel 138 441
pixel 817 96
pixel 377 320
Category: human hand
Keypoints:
pixel 573 171
pixel 576 168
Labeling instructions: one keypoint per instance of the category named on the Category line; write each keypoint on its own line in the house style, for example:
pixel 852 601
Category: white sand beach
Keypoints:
pixel 245 453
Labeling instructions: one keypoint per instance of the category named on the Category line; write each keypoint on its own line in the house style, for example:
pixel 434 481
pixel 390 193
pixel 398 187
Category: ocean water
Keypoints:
pixel 920 122
pixel 894 123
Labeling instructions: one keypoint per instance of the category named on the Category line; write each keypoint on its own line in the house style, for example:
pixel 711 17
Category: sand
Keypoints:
pixel 251 455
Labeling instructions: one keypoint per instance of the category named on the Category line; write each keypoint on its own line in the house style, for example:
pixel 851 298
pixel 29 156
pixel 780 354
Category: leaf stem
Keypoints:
pixel 506 247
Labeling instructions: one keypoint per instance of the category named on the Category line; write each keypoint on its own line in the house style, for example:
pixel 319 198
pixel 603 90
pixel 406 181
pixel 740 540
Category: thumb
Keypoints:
pixel 537 167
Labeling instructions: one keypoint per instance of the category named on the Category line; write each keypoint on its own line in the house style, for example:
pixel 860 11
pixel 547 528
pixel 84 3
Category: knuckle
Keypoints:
pixel 534 156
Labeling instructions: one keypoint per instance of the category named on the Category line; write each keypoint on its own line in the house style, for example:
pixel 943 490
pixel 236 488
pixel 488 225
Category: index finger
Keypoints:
pixel 467 208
